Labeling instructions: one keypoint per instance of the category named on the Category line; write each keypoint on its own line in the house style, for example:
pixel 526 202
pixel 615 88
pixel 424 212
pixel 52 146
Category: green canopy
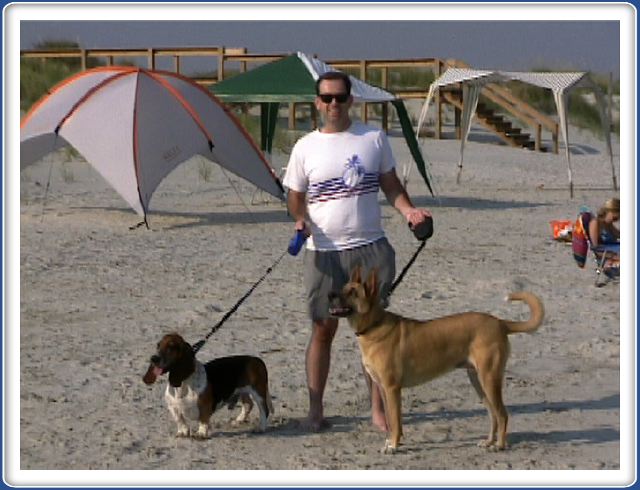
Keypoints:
pixel 284 80
pixel 292 79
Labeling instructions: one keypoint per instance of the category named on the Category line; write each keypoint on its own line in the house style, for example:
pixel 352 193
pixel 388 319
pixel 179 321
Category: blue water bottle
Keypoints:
pixel 297 242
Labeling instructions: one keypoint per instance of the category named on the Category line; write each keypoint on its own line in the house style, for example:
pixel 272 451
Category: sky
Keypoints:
pixel 584 45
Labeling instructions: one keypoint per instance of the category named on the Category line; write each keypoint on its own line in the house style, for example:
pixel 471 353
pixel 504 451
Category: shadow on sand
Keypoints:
pixel 473 203
pixel 199 219
pixel 339 424
pixel 258 215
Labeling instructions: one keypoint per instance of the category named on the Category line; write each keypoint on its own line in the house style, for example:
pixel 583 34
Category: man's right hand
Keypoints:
pixel 301 225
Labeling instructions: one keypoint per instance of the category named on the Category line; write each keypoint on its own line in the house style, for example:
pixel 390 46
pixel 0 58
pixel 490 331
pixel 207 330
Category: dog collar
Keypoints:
pixel 358 334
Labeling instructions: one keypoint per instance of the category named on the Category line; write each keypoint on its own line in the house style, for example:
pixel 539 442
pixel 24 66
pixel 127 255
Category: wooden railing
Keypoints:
pixel 150 54
pixel 224 56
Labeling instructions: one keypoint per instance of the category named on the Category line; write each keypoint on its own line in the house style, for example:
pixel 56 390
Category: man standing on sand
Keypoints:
pixel 333 176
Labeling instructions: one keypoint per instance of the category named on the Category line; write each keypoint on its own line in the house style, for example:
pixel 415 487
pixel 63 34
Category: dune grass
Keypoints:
pixel 283 138
pixel 37 77
pixel 583 113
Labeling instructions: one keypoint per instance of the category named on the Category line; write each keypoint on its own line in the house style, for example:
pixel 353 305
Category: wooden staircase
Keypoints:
pixel 496 123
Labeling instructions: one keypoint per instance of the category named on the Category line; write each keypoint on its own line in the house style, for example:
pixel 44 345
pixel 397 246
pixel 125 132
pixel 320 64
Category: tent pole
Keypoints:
pixel 605 119
pixel 143 222
pixel 46 190
pixel 613 174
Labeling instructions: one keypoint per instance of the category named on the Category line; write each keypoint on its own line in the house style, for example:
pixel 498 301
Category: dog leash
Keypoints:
pixel 198 345
pixel 295 245
pixel 422 232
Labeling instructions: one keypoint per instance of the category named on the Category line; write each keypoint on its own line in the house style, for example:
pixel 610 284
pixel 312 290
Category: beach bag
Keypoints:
pixel 561 230
pixel 580 238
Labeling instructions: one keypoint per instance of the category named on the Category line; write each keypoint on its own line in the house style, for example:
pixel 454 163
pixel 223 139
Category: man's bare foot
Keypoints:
pixel 379 422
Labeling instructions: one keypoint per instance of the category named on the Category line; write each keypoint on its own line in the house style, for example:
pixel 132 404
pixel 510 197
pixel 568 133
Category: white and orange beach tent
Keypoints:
pixel 135 126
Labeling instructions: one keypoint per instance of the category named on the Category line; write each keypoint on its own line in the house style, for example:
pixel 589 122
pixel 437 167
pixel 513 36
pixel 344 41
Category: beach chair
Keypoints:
pixel 602 254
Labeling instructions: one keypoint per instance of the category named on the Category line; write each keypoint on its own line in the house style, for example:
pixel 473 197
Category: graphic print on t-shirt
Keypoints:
pixel 331 189
pixel 354 172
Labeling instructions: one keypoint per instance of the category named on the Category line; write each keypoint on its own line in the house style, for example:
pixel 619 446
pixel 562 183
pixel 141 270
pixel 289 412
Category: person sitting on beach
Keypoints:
pixel 602 230
pixel 333 178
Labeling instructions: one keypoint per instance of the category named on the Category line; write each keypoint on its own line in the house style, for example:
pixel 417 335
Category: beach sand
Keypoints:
pixel 95 298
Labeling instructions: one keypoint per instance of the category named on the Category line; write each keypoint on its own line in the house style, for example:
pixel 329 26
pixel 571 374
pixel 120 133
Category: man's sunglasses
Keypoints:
pixel 340 98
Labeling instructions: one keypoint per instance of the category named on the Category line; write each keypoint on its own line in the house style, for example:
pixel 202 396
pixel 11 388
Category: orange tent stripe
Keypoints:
pixel 92 92
pixel 70 80
pixel 136 156
pixel 120 71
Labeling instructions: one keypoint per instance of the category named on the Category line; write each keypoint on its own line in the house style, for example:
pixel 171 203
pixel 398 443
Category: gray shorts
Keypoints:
pixel 330 271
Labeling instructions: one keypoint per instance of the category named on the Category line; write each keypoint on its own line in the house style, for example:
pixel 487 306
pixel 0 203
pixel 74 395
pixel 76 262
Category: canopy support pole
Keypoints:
pixel 562 100
pixel 606 129
pixel 470 96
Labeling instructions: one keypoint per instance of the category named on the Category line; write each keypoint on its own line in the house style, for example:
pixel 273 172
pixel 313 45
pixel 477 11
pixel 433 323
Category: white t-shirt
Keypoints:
pixel 339 172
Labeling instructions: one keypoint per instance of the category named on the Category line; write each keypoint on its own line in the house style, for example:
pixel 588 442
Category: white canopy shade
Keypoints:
pixel 559 83
pixel 361 91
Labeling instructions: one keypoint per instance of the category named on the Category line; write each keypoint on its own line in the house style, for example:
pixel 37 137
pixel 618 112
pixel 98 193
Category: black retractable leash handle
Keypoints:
pixel 422 232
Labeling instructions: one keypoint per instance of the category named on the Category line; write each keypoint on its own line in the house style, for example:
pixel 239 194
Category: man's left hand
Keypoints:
pixel 416 216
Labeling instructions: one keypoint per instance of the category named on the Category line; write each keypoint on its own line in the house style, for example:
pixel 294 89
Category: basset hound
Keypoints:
pixel 195 390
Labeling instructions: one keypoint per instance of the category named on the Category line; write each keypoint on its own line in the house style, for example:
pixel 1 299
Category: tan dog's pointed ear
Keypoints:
pixel 356 274
pixel 371 286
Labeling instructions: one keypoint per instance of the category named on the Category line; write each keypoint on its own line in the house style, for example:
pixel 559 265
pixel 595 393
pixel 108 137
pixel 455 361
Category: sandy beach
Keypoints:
pixel 95 297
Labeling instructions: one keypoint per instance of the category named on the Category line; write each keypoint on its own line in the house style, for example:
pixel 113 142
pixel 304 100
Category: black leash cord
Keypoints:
pixel 406 268
pixel 422 232
pixel 198 345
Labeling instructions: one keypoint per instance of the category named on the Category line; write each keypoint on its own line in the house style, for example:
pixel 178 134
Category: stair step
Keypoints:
pixel 496 122
pixel 486 114
pixel 503 127
pixel 520 138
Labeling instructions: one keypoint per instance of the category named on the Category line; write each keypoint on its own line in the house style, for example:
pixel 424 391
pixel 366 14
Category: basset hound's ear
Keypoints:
pixel 183 366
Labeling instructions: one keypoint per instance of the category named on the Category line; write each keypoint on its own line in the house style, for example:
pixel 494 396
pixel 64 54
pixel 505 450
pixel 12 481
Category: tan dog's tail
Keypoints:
pixel 537 313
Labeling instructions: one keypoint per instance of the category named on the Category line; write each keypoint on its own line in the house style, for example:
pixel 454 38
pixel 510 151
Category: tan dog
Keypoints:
pixel 400 352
